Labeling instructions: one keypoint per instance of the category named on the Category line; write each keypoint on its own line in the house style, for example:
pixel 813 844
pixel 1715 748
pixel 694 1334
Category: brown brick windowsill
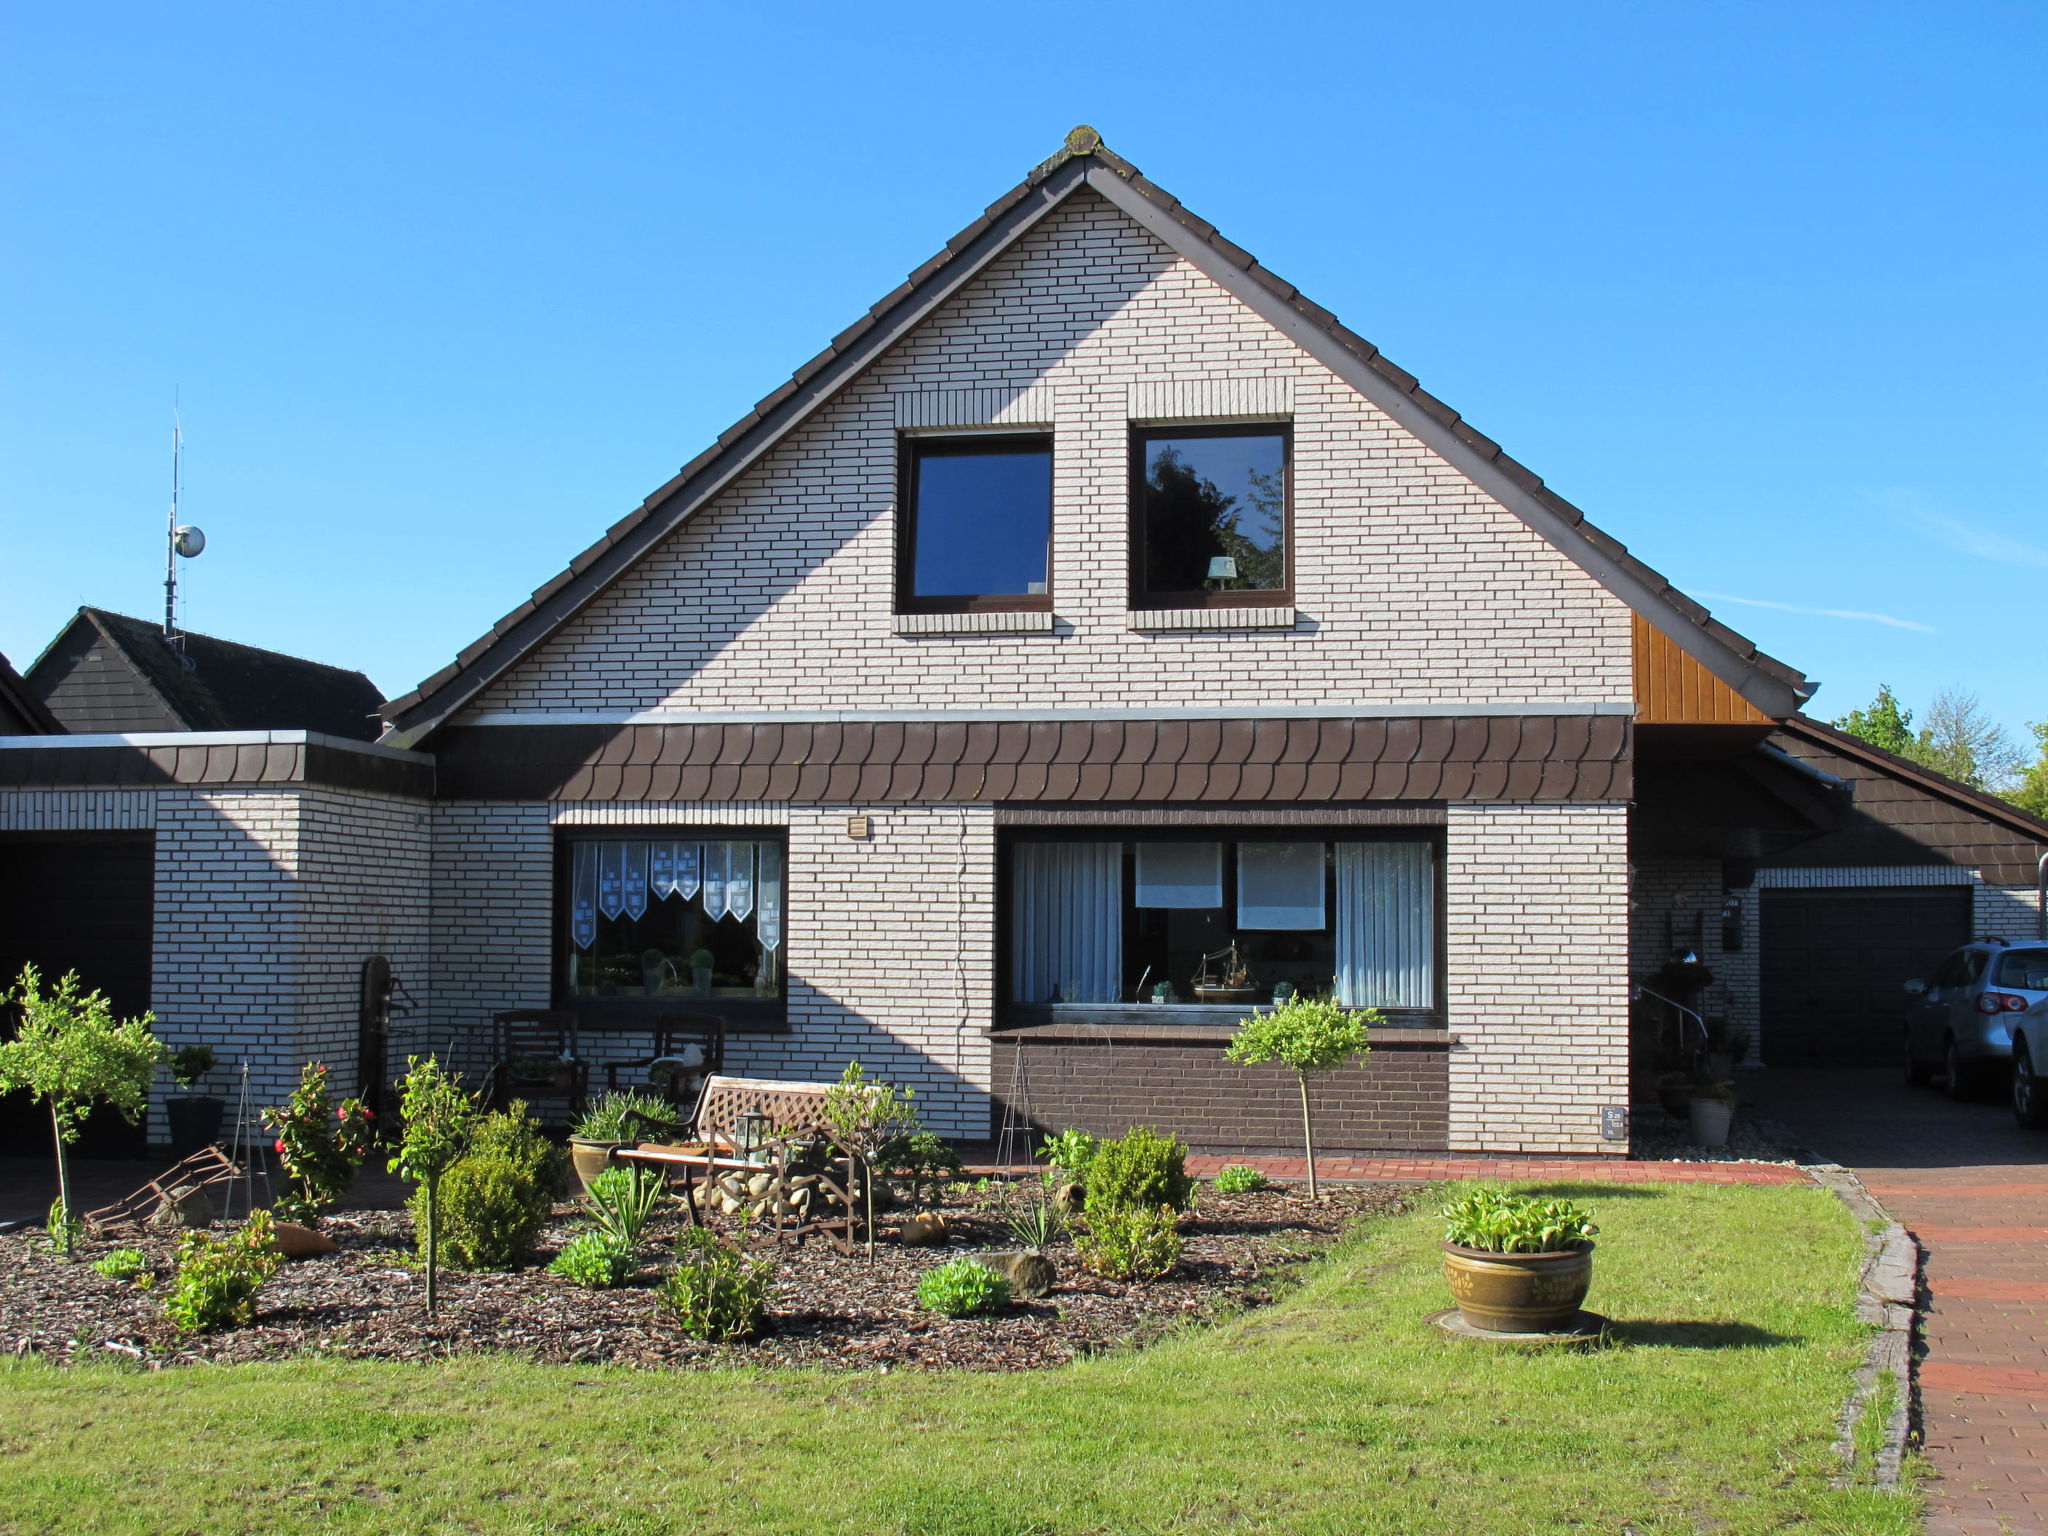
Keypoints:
pixel 1119 1032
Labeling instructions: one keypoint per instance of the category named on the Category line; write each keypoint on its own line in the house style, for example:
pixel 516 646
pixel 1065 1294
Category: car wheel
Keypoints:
pixel 1918 1073
pixel 1960 1079
pixel 2029 1094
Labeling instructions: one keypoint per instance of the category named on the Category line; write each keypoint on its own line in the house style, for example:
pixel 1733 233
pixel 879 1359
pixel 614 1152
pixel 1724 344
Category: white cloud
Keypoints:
pixel 1822 613
pixel 1982 543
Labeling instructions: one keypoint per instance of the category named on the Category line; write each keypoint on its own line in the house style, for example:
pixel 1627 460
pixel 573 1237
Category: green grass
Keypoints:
pixel 1340 1410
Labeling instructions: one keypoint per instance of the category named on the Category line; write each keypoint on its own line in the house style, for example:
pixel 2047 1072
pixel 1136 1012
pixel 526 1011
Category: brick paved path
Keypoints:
pixel 1973 1188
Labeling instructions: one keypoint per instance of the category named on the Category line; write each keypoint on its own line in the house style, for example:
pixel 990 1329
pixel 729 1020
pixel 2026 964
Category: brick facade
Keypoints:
pixel 1396 1099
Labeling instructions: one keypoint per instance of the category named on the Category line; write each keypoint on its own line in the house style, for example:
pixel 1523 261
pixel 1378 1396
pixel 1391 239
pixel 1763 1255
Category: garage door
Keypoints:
pixel 77 902
pixel 1834 963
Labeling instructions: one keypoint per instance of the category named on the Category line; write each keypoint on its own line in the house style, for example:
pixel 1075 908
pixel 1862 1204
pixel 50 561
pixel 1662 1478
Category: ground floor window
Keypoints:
pixel 1225 921
pixel 672 917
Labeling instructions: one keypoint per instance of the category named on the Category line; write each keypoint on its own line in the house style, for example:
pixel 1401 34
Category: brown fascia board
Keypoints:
pixel 1765 682
pixel 1940 785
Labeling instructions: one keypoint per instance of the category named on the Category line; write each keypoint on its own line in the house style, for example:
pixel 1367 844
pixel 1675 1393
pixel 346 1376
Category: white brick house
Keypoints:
pixel 757 753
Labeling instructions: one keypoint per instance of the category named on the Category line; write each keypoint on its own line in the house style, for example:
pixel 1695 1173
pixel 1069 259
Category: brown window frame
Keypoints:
pixel 1269 597
pixel 962 445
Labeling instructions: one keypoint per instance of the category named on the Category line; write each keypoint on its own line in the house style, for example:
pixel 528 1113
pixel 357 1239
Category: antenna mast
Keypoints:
pixel 171 533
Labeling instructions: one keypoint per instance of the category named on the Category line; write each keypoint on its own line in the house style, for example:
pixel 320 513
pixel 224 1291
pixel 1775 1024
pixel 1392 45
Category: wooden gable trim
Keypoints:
pixel 1674 688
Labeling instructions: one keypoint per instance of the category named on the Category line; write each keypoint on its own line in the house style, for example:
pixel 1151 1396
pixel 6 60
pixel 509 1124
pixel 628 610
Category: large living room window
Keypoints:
pixel 1223 922
pixel 977 524
pixel 1209 517
pixel 682 919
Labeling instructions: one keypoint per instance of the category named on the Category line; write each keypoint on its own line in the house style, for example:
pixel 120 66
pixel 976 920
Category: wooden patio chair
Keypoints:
pixel 540 1058
pixel 688 1050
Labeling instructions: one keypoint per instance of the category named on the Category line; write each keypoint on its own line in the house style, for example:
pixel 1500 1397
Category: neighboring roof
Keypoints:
pixel 1905 812
pixel 1468 758
pixel 21 712
pixel 1770 685
pixel 209 684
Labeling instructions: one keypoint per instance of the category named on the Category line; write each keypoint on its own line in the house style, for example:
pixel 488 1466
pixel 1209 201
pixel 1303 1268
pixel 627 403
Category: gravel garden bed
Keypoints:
pixel 828 1309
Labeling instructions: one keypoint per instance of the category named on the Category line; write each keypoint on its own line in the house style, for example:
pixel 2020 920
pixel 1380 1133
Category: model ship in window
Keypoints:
pixel 1230 981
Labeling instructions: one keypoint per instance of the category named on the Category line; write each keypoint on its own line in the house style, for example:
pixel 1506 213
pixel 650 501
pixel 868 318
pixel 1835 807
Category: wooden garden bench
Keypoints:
pixel 791 1140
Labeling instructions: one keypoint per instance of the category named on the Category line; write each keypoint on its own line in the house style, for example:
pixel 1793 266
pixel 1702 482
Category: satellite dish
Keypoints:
pixel 188 541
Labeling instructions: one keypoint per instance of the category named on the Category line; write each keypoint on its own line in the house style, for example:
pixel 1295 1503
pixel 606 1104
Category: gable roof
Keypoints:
pixel 219 685
pixel 21 712
pixel 1773 687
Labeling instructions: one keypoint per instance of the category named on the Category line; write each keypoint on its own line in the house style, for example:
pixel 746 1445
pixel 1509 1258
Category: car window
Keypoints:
pixel 1973 966
pixel 2026 968
pixel 1950 971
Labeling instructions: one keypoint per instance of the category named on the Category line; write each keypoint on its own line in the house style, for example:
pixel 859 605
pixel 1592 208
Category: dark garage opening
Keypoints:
pixel 1834 963
pixel 77 901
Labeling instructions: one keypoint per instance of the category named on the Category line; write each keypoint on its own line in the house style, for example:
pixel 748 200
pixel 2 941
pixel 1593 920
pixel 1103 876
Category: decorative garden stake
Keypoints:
pixel 1308 1034
pixel 71 1054
pixel 438 1119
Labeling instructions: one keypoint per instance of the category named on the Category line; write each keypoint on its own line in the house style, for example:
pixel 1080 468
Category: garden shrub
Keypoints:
pixel 1070 1153
pixel 595 1261
pixel 962 1288
pixel 716 1292
pixel 218 1277
pixel 622 1201
pixel 495 1198
pixel 321 1145
pixel 1130 1242
pixel 1139 1170
pixel 1239 1179
pixel 927 1165
pixel 123 1264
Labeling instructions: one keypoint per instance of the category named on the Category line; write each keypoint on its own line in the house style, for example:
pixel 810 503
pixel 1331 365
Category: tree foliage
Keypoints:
pixel 1884 724
pixel 439 1117
pixel 1956 737
pixel 69 1054
pixel 1309 1035
pixel 2031 793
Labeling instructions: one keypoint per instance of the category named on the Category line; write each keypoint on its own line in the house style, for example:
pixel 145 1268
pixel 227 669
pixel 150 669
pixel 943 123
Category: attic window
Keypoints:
pixel 976 525
pixel 1209 517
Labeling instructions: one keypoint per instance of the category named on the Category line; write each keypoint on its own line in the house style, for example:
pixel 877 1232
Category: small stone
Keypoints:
pixel 187 1206
pixel 926 1231
pixel 759 1185
pixel 1069 1197
pixel 1030 1274
pixel 297 1242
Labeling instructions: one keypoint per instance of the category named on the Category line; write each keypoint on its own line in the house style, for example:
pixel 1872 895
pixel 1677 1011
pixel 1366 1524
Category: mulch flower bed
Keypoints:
pixel 828 1309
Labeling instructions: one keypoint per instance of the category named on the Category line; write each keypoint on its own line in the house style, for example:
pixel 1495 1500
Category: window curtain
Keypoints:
pixel 1068 922
pixel 1386 925
pixel 1280 886
pixel 1179 875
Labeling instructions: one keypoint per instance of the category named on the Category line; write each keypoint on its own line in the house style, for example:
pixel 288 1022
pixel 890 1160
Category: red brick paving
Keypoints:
pixel 1968 1184
pixel 1595 1170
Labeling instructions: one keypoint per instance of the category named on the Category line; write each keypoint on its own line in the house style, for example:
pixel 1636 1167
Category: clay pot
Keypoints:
pixel 590 1158
pixel 1518 1292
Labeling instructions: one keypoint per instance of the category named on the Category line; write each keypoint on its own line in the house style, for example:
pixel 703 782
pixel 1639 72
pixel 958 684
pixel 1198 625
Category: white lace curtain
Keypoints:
pixel 1386 925
pixel 734 879
pixel 1067 902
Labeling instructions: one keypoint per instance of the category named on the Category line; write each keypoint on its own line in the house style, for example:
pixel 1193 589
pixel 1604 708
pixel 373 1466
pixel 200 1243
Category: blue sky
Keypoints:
pixel 446 289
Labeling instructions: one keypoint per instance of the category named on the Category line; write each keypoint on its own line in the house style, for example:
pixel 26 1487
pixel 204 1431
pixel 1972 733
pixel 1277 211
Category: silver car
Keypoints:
pixel 1960 1021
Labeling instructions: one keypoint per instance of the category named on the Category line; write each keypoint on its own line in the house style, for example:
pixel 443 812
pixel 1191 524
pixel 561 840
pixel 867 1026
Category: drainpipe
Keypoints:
pixel 2041 897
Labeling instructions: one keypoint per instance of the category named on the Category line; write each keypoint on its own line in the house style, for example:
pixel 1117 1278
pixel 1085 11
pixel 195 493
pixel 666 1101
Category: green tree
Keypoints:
pixel 1957 738
pixel 1884 724
pixel 70 1053
pixel 2031 793
pixel 873 1122
pixel 1310 1035
pixel 439 1118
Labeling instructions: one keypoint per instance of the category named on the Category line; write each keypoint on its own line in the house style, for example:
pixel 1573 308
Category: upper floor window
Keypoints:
pixel 977 524
pixel 1209 517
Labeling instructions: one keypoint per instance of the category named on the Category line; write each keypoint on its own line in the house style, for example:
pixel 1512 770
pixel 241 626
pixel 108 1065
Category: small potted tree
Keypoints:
pixel 593 1138
pixel 702 962
pixel 1517 1263
pixel 437 1120
pixel 194 1118
pixel 1310 1035
pixel 70 1053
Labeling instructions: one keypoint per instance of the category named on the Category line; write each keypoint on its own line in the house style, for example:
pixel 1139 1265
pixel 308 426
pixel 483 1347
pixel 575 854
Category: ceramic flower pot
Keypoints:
pixel 590 1158
pixel 194 1121
pixel 1710 1121
pixel 1518 1292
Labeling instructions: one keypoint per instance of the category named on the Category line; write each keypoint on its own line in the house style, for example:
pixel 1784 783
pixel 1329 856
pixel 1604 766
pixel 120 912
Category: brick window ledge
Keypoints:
pixel 981 623
pixel 1114 1026
pixel 1209 618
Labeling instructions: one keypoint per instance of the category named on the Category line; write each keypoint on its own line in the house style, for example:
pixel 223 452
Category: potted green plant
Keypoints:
pixel 603 1129
pixel 1711 1109
pixel 194 1118
pixel 1517 1263
pixel 701 963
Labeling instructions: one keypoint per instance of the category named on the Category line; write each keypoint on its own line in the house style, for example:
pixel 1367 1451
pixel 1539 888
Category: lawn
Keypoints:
pixel 1339 1410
